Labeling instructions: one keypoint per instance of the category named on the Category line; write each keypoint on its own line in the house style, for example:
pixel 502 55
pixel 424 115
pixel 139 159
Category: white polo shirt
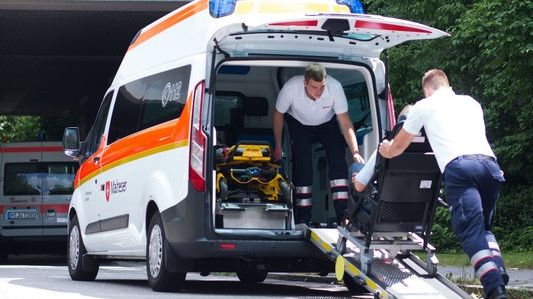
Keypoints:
pixel 293 100
pixel 453 123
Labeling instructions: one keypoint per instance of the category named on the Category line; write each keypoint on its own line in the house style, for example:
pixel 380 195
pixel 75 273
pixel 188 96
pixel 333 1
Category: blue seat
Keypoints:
pixel 255 107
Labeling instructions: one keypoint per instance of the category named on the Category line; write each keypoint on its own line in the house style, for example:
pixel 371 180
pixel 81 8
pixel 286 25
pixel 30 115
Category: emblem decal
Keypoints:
pixel 171 93
pixel 111 187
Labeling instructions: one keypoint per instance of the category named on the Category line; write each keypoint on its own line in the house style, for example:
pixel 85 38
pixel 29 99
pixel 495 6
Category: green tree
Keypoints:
pixel 488 56
pixel 19 128
pixel 492 46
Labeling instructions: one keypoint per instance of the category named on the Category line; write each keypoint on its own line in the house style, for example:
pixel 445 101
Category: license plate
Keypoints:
pixel 21 214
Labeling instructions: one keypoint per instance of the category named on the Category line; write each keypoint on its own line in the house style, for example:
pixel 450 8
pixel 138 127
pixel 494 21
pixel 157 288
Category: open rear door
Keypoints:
pixel 339 34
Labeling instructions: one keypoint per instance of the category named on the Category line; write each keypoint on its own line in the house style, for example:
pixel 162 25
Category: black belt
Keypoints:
pixel 476 157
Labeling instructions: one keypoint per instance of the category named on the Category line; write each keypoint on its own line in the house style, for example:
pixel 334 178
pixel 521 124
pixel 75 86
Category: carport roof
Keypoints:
pixel 58 57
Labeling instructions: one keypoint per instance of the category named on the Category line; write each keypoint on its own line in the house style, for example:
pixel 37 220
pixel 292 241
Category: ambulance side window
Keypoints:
pixel 164 97
pixel 98 128
pixel 149 101
pixel 125 117
pixel 358 104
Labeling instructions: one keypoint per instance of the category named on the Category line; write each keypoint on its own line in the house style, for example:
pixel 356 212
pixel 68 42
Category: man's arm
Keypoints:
pixel 346 126
pixel 395 147
pixel 277 126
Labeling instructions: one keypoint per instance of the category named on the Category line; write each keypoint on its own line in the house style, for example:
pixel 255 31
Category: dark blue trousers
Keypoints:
pixel 302 138
pixel 472 186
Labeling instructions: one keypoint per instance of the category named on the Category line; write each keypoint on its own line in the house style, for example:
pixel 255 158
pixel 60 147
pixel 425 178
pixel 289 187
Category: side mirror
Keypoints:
pixel 71 142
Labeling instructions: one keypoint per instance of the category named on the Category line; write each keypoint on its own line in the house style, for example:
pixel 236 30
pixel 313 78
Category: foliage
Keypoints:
pixel 442 236
pixel 514 224
pixel 488 56
pixel 32 128
pixel 492 46
pixel 19 128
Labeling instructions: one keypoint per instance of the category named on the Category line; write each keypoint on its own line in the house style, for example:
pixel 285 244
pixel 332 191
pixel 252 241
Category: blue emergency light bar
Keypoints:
pixel 354 5
pixel 221 8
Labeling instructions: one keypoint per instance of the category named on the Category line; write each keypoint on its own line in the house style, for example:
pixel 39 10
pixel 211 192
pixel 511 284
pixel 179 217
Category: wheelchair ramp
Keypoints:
pixel 388 277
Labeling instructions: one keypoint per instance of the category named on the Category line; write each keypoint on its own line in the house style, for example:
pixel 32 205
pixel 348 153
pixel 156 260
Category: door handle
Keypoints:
pixel 96 160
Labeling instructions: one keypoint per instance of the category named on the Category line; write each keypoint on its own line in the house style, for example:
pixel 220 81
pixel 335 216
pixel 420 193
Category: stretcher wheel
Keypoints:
pixel 366 263
pixel 431 264
pixel 223 189
pixel 286 192
pixel 341 245
pixel 432 269
pixel 352 285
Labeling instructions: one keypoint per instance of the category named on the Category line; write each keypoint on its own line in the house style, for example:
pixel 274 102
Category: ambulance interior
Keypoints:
pixel 247 192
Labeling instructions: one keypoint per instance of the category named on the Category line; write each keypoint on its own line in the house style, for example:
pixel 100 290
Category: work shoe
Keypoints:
pixel 497 293
pixel 505 275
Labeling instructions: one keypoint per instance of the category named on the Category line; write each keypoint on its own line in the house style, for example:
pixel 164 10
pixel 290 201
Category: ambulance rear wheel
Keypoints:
pixel 3 255
pixel 159 276
pixel 252 276
pixel 75 252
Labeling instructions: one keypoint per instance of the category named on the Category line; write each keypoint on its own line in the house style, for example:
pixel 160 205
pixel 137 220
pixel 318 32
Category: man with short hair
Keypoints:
pixel 316 107
pixel 455 129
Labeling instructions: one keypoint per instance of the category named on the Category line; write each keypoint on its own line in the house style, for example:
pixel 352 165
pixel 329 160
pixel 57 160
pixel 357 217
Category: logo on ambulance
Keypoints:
pixel 171 93
pixel 111 187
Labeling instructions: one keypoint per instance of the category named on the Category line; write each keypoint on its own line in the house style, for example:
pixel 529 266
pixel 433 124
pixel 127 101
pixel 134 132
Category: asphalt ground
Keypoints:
pixel 520 279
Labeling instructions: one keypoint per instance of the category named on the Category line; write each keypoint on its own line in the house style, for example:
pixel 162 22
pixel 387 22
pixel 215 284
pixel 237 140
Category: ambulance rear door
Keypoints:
pixel 58 173
pixel 345 36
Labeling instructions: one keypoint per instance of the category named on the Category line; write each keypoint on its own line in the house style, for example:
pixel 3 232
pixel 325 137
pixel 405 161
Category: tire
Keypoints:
pixel 3 255
pixel 352 285
pixel 75 252
pixel 252 276
pixel 159 276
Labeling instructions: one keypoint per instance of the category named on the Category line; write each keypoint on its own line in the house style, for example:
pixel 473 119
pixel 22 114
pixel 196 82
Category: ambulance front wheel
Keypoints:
pixel 159 276
pixel 252 276
pixel 80 266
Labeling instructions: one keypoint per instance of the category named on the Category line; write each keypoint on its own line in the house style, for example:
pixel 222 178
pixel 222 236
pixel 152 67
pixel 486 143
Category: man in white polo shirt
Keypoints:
pixel 316 107
pixel 455 129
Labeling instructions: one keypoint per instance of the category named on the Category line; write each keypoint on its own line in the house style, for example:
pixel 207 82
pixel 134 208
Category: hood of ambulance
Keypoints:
pixel 361 35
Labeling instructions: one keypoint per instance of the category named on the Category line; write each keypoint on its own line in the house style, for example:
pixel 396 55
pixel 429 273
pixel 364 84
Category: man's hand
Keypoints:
pixel 357 158
pixel 384 149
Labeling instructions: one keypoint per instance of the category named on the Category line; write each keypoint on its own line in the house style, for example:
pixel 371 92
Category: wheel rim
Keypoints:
pixel 74 247
pixel 155 251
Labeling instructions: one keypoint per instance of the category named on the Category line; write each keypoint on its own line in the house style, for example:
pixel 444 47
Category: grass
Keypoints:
pixel 519 260
pixel 513 260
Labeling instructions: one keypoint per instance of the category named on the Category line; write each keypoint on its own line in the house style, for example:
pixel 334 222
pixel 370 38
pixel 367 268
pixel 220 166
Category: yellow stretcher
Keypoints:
pixel 247 171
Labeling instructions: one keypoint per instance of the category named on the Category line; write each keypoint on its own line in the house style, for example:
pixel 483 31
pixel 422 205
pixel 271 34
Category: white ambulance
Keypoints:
pixel 194 86
pixel 36 180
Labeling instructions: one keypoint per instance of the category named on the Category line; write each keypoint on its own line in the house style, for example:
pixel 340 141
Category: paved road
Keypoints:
pixel 49 278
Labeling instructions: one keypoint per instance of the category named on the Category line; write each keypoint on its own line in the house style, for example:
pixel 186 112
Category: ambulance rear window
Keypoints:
pixel 39 178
